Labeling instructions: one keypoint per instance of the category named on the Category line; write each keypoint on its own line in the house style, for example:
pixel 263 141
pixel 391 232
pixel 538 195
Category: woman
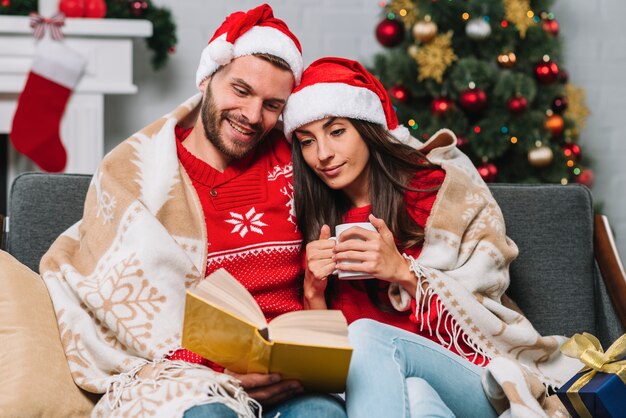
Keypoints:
pixel 440 255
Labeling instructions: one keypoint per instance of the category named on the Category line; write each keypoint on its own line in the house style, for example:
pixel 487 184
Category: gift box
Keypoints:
pixel 599 390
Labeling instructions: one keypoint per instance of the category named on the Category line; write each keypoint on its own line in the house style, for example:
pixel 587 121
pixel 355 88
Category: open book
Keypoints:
pixel 224 324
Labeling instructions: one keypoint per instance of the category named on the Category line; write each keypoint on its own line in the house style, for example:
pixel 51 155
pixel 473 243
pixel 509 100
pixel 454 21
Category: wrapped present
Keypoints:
pixel 599 389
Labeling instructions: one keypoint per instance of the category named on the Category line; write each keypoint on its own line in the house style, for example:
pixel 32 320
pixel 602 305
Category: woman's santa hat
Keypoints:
pixel 256 31
pixel 342 88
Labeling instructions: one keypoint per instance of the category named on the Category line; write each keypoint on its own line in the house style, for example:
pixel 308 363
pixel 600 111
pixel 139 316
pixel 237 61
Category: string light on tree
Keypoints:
pixel 440 106
pixel 586 177
pixel 406 9
pixel 400 93
pixel 572 152
pixel 488 171
pixel 461 141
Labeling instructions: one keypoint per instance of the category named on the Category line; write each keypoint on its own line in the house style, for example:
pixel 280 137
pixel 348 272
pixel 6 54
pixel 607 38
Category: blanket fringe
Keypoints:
pixel 424 296
pixel 225 389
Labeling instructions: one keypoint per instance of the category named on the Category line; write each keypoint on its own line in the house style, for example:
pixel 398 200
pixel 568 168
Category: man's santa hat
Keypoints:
pixel 256 31
pixel 342 88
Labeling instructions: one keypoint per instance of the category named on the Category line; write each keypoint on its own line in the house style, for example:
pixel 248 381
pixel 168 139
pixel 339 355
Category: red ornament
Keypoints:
pixel 72 8
pixel 95 9
pixel 488 172
pixel 473 100
pixel 172 50
pixel 572 152
pixel 559 104
pixel 461 141
pixel 400 93
pixel 440 106
pixel 555 124
pixel 517 105
pixel 551 26
pixel 390 33
pixel 6 3
pixel 138 7
pixel 547 72
pixel 586 177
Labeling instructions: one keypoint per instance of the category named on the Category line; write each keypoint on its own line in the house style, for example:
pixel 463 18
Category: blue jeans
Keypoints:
pixel 308 405
pixel 385 362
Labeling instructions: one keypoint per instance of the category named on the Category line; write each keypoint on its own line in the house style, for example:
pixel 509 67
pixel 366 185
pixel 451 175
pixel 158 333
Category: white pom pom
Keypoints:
pixel 221 51
pixel 401 133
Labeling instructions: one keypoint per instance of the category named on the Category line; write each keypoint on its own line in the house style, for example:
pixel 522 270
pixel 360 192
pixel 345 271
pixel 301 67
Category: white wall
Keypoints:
pixel 595 57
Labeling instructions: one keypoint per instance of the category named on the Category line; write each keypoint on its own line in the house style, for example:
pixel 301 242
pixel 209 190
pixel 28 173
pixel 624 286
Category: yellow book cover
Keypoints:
pixel 224 324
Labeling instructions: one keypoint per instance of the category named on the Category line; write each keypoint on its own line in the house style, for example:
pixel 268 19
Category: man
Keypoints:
pixel 205 187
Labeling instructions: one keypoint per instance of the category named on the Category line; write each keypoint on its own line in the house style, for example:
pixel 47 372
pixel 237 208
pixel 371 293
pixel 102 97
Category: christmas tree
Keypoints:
pixel 492 72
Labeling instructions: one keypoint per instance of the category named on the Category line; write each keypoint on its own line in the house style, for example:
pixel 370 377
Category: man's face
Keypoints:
pixel 242 102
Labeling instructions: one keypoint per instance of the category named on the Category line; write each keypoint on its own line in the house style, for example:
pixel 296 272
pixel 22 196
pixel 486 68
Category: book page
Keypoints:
pixel 221 289
pixel 313 327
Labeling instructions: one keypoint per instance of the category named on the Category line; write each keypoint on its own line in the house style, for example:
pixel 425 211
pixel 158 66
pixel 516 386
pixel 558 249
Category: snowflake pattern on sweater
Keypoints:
pixel 250 228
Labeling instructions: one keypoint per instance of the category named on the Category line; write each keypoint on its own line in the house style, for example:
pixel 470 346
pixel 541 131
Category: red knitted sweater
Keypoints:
pixel 248 210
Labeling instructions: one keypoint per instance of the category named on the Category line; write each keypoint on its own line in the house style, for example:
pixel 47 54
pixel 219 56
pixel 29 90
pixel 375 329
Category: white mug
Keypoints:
pixel 351 275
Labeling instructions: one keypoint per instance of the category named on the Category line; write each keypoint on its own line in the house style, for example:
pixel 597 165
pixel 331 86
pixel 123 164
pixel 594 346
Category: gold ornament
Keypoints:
pixel 540 156
pixel 424 31
pixel 434 58
pixel 507 60
pixel 407 11
pixel 577 109
pixel 516 12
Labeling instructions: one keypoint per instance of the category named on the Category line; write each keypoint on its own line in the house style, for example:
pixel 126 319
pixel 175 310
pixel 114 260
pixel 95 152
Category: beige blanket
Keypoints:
pixel 118 277
pixel 465 262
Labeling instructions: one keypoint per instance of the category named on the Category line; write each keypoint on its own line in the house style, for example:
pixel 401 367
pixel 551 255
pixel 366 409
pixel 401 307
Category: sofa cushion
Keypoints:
pixel 41 207
pixel 34 374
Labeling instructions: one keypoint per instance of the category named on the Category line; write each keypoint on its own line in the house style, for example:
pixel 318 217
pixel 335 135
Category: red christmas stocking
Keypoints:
pixel 35 132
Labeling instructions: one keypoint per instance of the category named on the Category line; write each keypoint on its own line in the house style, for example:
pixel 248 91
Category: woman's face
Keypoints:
pixel 336 152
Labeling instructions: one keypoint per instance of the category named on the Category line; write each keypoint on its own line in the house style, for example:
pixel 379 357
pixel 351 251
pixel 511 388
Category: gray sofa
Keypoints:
pixel 556 280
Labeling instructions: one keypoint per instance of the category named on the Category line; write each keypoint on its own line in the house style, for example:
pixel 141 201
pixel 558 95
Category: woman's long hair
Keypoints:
pixel 391 167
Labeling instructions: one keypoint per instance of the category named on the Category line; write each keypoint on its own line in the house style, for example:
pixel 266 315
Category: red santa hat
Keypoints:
pixel 253 32
pixel 343 88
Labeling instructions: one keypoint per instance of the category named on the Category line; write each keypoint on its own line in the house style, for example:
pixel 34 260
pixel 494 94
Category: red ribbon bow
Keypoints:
pixel 39 23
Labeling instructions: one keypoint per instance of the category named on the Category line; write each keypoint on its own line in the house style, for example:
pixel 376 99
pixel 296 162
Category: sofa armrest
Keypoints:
pixel 610 265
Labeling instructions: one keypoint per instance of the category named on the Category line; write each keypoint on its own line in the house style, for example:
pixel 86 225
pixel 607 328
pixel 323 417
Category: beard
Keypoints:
pixel 212 119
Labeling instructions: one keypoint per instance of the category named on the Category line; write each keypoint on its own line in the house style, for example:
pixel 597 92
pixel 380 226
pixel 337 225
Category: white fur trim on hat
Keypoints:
pixel 258 40
pixel 321 100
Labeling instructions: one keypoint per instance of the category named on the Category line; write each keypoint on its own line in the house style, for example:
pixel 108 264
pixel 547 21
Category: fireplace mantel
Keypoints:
pixel 107 46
